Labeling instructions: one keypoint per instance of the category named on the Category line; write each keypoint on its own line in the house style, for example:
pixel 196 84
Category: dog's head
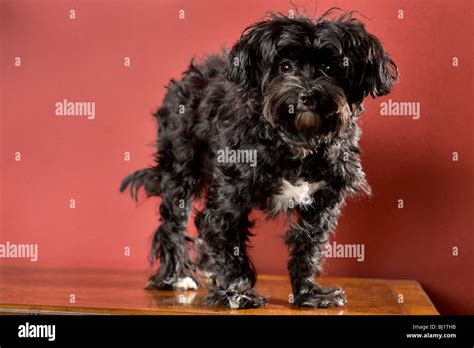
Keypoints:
pixel 311 76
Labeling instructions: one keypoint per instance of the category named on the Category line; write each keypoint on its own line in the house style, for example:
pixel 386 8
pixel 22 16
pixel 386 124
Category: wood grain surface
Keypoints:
pixel 34 290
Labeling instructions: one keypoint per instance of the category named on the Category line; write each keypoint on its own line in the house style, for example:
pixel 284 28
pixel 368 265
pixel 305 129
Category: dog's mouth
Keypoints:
pixel 307 119
pixel 323 119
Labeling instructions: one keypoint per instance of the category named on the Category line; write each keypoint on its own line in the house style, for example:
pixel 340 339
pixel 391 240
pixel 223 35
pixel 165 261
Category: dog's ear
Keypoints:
pixel 252 55
pixel 382 71
pixel 372 70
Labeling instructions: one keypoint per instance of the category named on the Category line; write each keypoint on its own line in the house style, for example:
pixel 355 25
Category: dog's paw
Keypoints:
pixel 157 282
pixel 220 297
pixel 320 297
pixel 186 283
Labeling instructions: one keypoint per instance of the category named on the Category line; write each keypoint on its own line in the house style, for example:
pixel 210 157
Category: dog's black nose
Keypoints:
pixel 303 98
pixel 306 99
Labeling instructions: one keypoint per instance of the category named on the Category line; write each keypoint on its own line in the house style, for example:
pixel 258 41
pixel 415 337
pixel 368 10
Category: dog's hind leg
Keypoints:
pixel 175 271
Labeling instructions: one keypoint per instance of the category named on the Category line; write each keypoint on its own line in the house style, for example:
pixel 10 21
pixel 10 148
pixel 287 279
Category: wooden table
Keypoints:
pixel 36 290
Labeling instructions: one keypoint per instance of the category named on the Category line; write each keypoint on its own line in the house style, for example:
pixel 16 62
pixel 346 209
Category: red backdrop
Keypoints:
pixel 82 59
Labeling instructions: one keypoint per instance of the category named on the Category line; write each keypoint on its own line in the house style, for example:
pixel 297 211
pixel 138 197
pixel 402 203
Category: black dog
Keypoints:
pixel 290 91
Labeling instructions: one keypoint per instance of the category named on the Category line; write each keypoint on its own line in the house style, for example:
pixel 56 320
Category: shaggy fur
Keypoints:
pixel 291 89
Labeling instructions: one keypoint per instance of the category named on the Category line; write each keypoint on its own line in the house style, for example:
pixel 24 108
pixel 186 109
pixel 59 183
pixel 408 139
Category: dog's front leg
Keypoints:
pixel 224 226
pixel 306 241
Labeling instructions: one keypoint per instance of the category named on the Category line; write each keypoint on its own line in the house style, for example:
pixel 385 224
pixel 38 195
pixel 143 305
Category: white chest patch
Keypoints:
pixel 299 193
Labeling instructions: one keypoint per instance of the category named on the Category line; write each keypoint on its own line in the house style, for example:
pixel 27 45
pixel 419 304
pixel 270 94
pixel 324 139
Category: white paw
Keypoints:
pixel 186 283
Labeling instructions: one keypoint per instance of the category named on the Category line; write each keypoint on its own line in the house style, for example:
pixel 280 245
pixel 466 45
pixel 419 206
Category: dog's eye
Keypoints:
pixel 285 67
pixel 326 68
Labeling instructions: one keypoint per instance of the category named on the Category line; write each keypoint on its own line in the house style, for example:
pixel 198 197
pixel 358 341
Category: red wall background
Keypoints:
pixel 65 158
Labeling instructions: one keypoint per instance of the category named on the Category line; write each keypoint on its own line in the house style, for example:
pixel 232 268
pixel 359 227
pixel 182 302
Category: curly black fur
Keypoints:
pixel 291 89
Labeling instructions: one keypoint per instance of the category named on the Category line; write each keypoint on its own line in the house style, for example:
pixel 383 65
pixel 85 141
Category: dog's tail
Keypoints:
pixel 148 178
